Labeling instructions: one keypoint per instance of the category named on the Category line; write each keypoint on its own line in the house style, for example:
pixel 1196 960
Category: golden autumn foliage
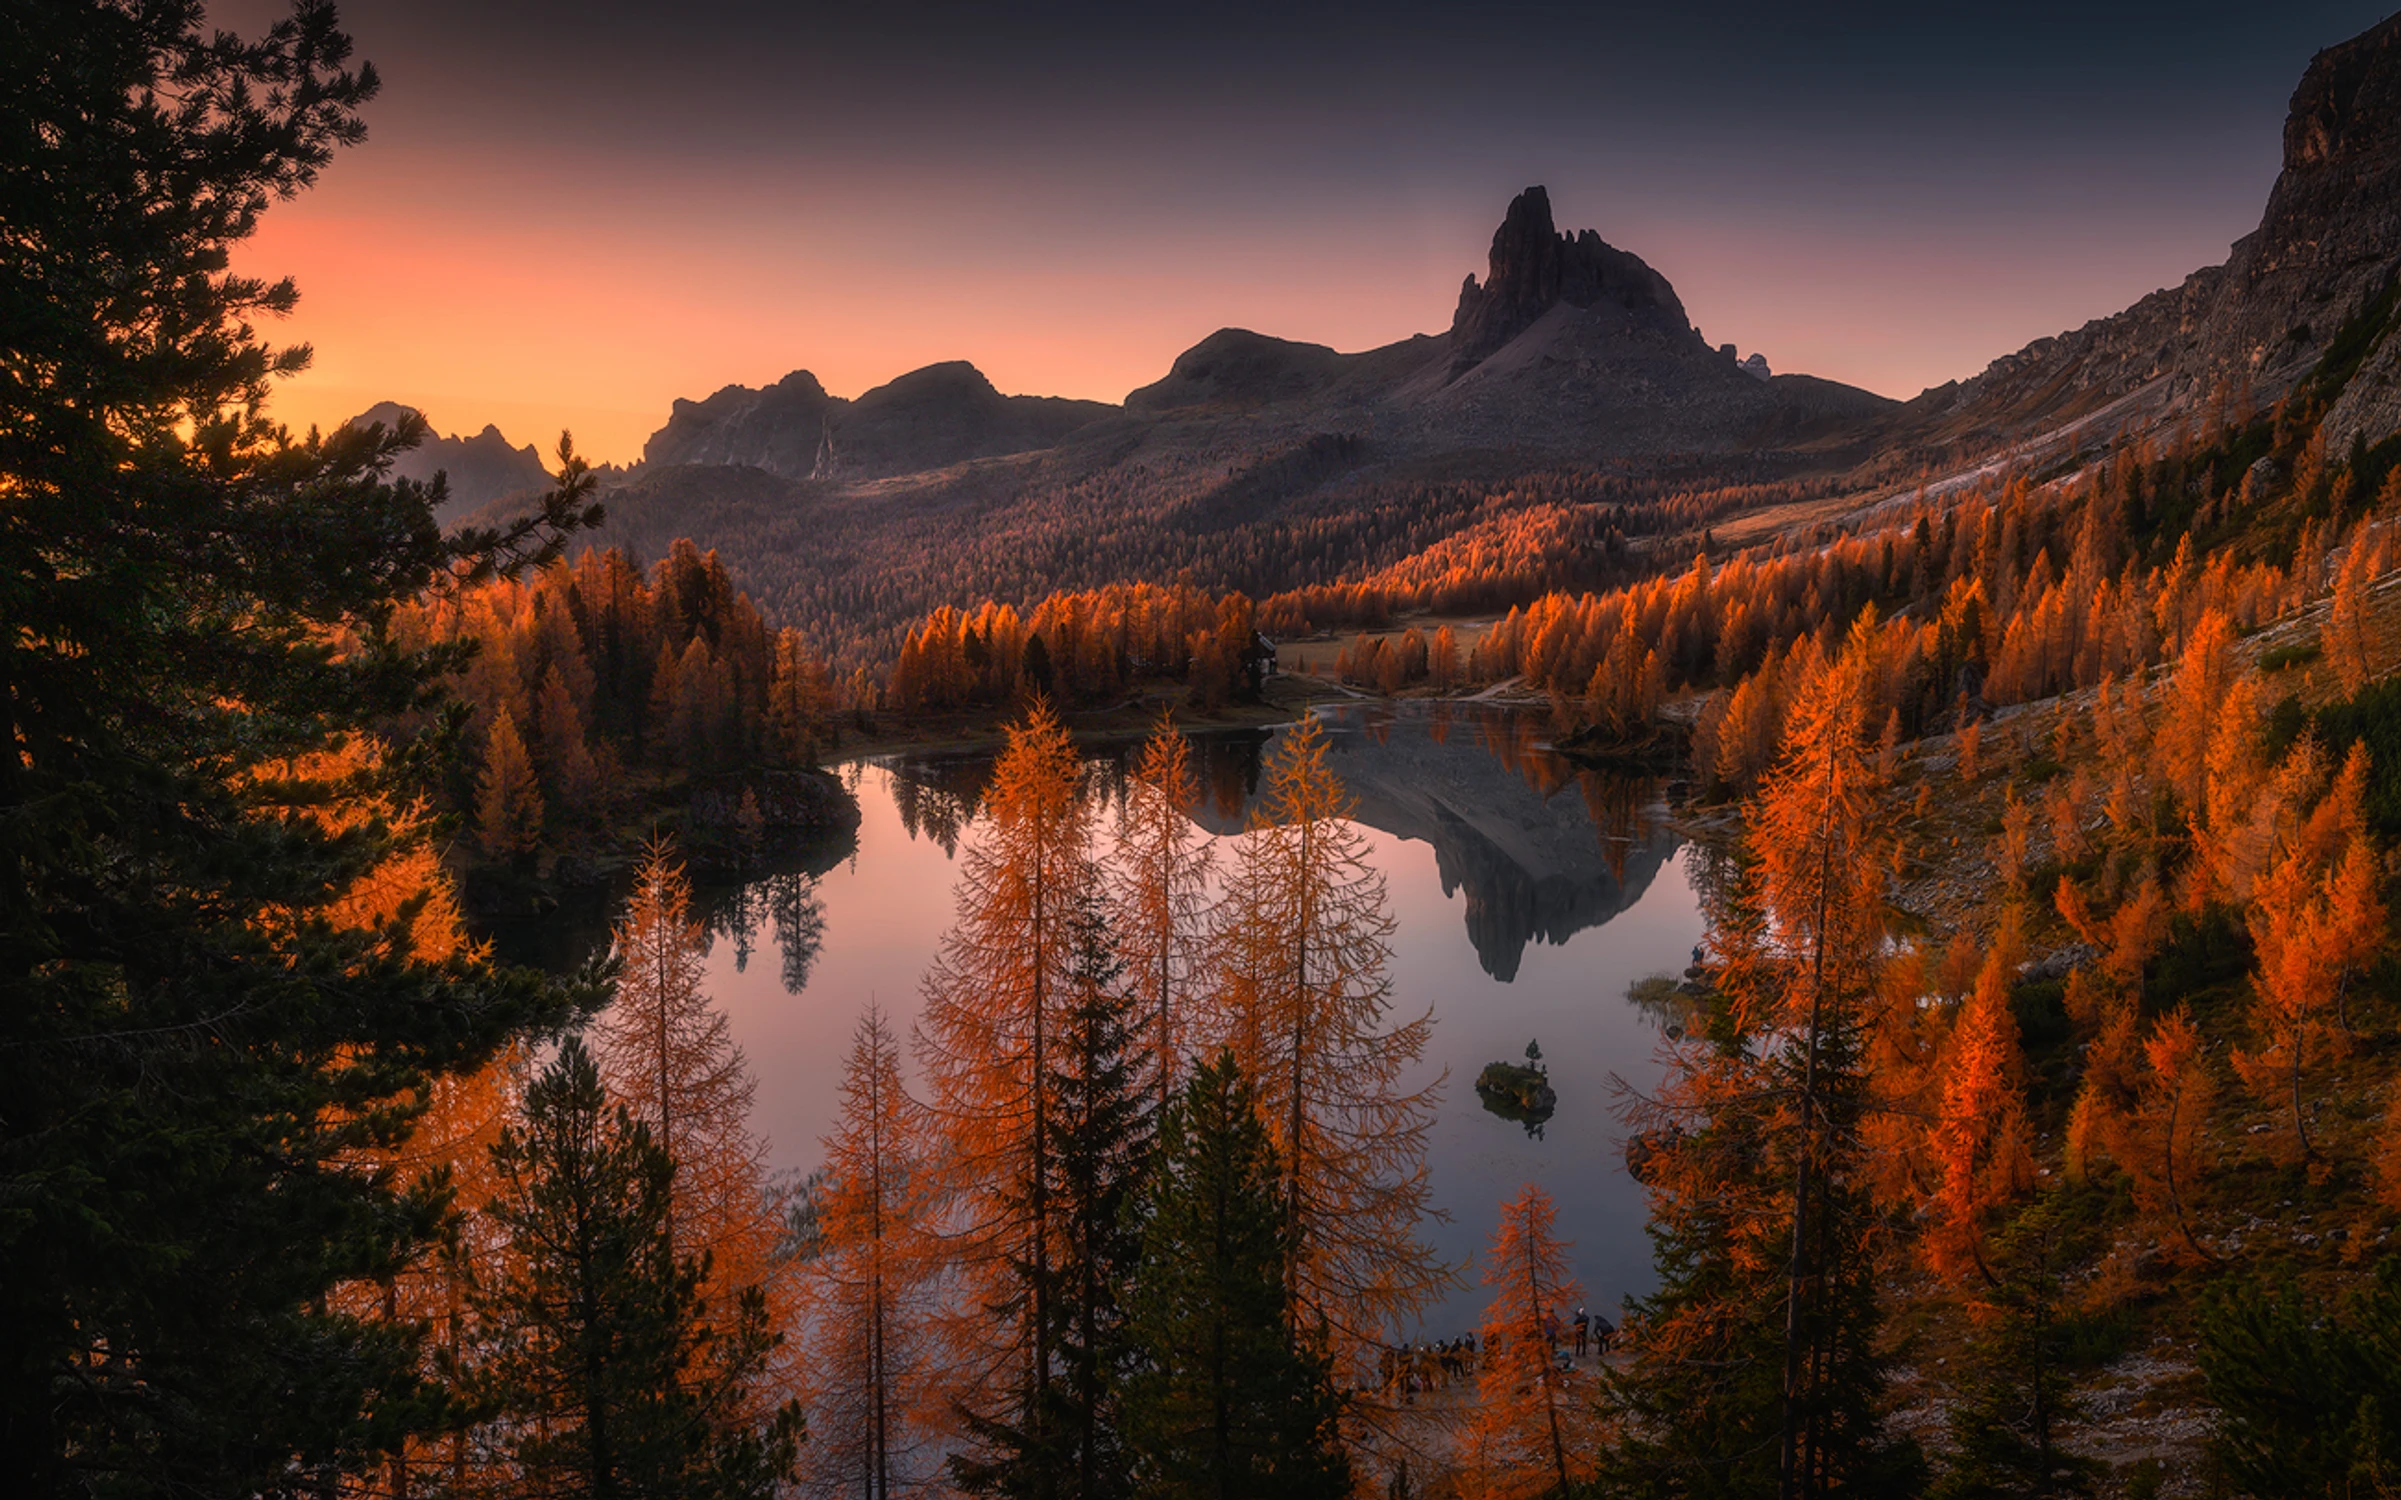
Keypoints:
pixel 2146 1102
pixel 585 669
pixel 1159 876
pixel 1982 1156
pixel 667 1055
pixel 1823 854
pixel 2168 1156
pixel 874 1377
pixel 1535 1429
pixel 508 801
pixel 2195 707
pixel 1305 999
pixel 2315 915
pixel 1075 646
pixel 988 1034
pixel 2348 644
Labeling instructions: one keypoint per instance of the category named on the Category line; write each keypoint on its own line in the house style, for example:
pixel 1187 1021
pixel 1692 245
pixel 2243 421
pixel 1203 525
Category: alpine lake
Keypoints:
pixel 1529 896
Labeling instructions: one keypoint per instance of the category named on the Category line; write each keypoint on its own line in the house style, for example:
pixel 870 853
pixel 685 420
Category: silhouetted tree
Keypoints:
pixel 1226 1402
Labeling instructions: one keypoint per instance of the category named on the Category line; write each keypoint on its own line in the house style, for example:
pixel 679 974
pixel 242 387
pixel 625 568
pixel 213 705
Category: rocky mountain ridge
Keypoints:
pixel 482 469
pixel 1568 348
pixel 2247 332
pixel 927 419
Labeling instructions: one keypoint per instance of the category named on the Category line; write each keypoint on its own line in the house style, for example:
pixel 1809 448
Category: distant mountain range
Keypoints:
pixel 482 468
pixel 927 419
pixel 1256 461
pixel 1569 349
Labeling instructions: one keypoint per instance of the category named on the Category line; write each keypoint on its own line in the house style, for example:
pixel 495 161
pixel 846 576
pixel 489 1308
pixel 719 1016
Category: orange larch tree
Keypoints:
pixel 1305 1000
pixel 1160 876
pixel 2163 1146
pixel 987 1040
pixel 508 800
pixel 1982 1158
pixel 2128 937
pixel 667 1054
pixel 1810 975
pixel 1534 1431
pixel 1756 1361
pixel 2349 646
pixel 875 1387
pixel 2315 916
pixel 2196 701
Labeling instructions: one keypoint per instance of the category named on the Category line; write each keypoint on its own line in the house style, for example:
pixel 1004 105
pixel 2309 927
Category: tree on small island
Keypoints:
pixel 1519 1091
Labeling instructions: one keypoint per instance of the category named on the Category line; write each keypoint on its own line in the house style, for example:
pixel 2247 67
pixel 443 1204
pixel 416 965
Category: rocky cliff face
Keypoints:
pixel 1568 348
pixel 2327 246
pixel 927 419
pixel 779 429
pixel 1534 268
pixel 482 468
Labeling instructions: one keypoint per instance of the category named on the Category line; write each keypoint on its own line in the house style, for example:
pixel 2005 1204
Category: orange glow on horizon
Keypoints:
pixel 423 281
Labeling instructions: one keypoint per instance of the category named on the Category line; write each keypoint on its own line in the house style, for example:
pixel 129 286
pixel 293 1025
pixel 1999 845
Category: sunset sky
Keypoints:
pixel 569 214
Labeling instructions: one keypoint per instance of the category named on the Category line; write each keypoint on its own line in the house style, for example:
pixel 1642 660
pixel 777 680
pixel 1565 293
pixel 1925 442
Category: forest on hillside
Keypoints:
pixel 851 570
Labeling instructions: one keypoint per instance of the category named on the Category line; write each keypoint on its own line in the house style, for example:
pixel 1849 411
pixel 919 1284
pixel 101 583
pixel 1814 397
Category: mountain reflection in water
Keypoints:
pixel 1542 853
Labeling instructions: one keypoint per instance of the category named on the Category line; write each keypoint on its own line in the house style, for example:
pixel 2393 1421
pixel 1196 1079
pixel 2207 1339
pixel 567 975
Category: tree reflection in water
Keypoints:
pixel 788 903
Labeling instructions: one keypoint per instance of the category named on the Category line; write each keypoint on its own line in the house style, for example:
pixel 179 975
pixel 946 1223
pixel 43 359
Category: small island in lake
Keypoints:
pixel 1519 1091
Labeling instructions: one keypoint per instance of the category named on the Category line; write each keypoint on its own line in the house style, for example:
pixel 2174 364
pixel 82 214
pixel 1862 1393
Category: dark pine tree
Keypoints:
pixel 1036 678
pixel 1698 1408
pixel 1223 1404
pixel 1064 1439
pixel 1702 1409
pixel 196 608
pixel 607 1379
pixel 2021 1389
pixel 2307 1390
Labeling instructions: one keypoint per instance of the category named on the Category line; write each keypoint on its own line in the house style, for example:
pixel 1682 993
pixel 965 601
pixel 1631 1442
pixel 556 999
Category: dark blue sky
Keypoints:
pixel 605 205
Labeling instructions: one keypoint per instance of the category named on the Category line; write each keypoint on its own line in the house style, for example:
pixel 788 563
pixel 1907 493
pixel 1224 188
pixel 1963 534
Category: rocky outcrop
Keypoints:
pixel 1568 348
pixel 481 469
pixel 779 429
pixel 1235 370
pixel 927 419
pixel 946 414
pixel 1534 268
pixel 2327 246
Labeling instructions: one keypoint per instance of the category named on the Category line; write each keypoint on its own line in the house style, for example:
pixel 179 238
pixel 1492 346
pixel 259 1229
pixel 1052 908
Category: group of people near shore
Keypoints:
pixel 1408 1368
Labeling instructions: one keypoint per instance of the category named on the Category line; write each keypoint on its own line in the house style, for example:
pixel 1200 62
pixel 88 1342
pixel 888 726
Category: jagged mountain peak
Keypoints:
pixel 1533 268
pixel 934 416
pixel 481 469
pixel 2349 101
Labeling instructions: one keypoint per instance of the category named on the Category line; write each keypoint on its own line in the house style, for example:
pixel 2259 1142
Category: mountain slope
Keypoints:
pixel 2247 331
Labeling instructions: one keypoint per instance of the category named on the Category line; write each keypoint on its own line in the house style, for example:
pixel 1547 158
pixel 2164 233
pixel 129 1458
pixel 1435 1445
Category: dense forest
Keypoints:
pixel 853 572
pixel 597 700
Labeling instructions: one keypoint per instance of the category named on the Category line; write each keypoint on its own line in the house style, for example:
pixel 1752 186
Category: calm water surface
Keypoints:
pixel 1528 897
